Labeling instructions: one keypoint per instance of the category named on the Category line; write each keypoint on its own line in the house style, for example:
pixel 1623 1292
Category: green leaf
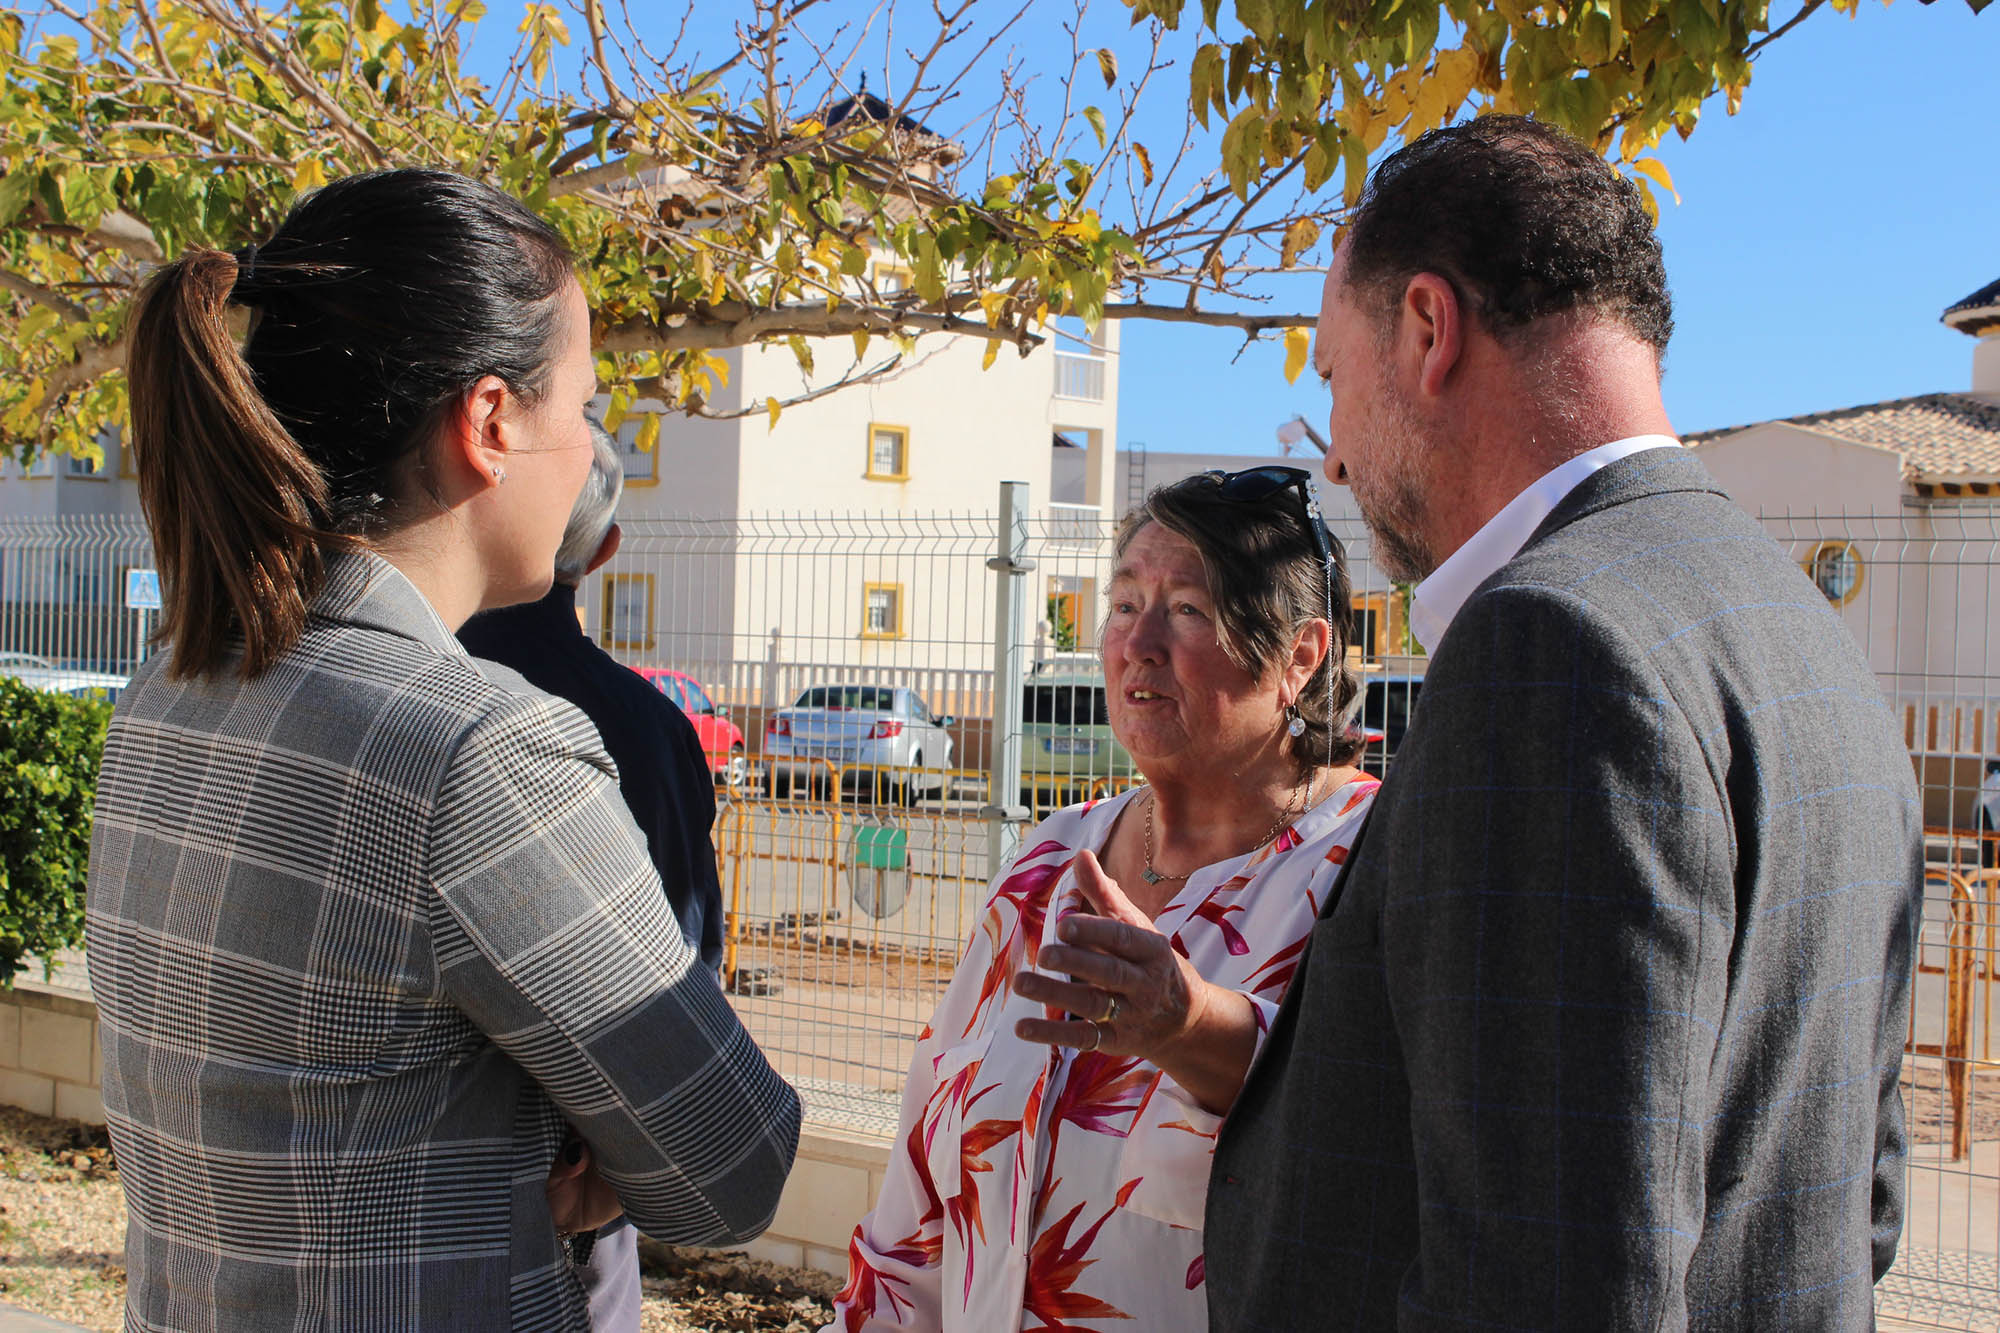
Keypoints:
pixel 1096 119
pixel 15 189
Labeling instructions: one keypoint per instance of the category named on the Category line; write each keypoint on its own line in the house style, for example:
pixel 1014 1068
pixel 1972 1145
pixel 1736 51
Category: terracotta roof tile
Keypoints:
pixel 1939 435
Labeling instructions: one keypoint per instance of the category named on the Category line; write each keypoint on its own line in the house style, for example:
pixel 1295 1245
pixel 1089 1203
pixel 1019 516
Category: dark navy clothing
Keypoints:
pixel 662 772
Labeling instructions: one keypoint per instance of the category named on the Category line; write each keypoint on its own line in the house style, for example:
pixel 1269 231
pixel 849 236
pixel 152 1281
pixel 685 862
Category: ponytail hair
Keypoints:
pixel 378 304
pixel 234 504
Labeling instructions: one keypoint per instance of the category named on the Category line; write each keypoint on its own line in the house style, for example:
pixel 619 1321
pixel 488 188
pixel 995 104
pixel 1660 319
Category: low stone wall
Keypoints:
pixel 50 1062
pixel 832 1186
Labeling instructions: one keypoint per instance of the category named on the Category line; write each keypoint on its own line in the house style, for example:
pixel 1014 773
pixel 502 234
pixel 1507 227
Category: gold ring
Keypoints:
pixel 1096 1037
pixel 1111 1014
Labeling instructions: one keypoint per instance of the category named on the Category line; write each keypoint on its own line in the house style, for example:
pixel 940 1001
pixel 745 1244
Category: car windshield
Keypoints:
pixel 1065 706
pixel 1386 704
pixel 848 696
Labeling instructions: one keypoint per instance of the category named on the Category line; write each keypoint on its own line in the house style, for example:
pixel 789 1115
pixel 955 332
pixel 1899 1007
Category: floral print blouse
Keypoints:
pixel 1036 1187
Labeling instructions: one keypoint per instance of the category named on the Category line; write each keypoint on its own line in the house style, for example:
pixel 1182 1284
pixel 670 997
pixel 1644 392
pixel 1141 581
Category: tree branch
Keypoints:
pixel 847 381
pixel 1219 319
pixel 614 173
pixel 92 363
pixel 34 291
pixel 735 324
pixel 122 231
pixel 1805 11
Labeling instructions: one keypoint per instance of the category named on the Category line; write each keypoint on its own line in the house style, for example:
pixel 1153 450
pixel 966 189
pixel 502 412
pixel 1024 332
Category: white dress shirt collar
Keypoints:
pixel 1438 597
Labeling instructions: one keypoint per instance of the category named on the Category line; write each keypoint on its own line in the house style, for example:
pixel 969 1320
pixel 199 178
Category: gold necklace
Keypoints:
pixel 1152 876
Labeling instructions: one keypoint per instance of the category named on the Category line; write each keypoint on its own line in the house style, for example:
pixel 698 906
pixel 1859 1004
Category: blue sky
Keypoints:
pixel 1820 232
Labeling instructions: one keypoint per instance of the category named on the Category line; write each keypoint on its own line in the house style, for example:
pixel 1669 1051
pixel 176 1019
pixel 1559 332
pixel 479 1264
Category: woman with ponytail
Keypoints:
pixel 394 1010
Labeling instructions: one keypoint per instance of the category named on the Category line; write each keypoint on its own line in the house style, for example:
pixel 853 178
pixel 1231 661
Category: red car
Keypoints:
pixel 721 739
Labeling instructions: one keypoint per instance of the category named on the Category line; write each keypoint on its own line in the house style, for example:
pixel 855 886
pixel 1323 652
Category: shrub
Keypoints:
pixel 49 748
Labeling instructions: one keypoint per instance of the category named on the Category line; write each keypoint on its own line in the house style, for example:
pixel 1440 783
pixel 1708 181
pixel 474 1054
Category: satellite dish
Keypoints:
pixel 878 869
pixel 1298 431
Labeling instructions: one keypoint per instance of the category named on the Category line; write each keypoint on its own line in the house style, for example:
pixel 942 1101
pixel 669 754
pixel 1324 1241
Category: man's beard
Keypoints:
pixel 1394 495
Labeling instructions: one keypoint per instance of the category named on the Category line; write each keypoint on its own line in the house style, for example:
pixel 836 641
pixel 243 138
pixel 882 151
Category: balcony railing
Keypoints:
pixel 1080 377
pixel 1076 523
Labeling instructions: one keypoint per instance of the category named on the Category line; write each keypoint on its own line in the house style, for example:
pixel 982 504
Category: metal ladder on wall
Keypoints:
pixel 1135 475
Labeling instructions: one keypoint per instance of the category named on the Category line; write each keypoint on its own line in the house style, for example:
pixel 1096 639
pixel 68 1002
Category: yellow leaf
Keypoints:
pixel 309 175
pixel 718 292
pixel 805 129
pixel 774 407
pixel 1298 344
pixel 649 432
pixel 860 343
pixel 618 409
pixel 1298 237
pixel 1653 167
pixel 1145 163
pixel 992 350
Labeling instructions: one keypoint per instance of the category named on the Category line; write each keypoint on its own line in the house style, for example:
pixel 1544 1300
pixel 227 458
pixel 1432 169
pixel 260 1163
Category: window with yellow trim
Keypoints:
pixel 882 611
pixel 1836 570
pixel 892 278
pixel 888 452
pixel 642 466
pixel 1369 628
pixel 628 611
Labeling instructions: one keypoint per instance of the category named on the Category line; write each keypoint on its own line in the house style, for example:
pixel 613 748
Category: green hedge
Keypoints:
pixel 49 748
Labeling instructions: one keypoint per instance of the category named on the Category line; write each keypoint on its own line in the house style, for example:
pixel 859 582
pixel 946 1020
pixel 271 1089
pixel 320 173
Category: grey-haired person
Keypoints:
pixel 1060 1113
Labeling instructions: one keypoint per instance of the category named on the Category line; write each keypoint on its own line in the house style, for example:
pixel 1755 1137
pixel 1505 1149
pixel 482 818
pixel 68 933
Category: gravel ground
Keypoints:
pixel 62 1245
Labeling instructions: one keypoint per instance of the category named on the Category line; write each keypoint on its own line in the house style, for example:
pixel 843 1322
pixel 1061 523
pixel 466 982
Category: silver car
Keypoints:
pixel 881 741
pixel 41 674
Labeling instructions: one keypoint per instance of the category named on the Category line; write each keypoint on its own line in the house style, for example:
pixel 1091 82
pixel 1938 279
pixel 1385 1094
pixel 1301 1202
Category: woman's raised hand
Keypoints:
pixel 1128 991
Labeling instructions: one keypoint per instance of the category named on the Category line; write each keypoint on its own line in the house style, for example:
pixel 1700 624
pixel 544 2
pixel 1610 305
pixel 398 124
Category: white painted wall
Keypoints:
pixel 1807 486
pixel 1986 364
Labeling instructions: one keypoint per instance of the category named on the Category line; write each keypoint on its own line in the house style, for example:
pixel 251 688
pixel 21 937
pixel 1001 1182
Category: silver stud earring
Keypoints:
pixel 1295 726
pixel 499 475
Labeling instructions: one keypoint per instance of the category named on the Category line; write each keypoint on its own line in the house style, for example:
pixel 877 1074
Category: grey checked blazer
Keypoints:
pixel 364 932
pixel 1601 1029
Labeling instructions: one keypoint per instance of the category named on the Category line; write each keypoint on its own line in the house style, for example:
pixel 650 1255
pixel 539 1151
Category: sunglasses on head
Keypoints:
pixel 1258 484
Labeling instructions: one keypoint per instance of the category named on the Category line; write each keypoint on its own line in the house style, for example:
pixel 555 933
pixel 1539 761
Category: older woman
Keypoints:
pixel 1061 1111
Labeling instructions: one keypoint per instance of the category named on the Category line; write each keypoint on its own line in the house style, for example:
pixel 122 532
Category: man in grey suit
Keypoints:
pixel 1602 1027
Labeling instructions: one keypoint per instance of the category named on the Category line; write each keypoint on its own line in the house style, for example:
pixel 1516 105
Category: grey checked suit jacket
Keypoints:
pixel 364 932
pixel 1601 1029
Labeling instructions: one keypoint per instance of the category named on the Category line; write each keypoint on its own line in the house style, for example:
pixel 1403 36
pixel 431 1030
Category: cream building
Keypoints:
pixel 1894 509
pixel 850 536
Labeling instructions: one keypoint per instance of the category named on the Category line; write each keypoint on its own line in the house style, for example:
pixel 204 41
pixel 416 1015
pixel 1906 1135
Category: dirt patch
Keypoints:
pixel 828 958
pixel 1927 1104
pixel 62 1248
pixel 708 1291
pixel 62 1220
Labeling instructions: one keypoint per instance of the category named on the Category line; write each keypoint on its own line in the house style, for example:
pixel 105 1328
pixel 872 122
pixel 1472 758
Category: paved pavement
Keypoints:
pixel 13 1319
